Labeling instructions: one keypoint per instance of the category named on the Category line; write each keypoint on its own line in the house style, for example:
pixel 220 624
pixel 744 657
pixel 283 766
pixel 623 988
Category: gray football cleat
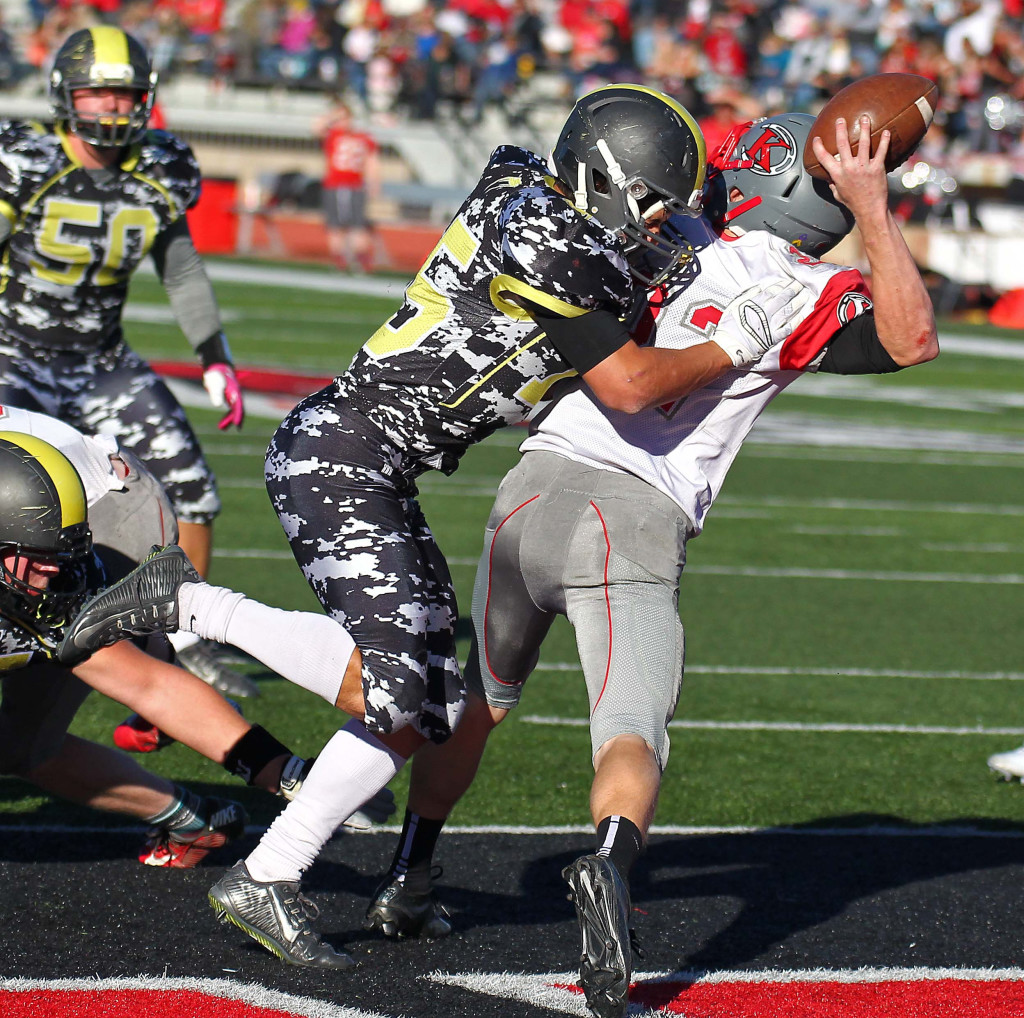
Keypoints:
pixel 602 910
pixel 277 916
pixel 399 912
pixel 143 602
pixel 203 660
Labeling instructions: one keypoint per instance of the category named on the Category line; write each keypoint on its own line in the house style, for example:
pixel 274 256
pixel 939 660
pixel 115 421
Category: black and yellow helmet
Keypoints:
pixel 42 516
pixel 627 152
pixel 103 57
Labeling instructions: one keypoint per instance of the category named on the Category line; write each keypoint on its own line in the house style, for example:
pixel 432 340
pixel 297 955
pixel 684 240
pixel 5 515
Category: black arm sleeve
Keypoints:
pixel 856 350
pixel 584 341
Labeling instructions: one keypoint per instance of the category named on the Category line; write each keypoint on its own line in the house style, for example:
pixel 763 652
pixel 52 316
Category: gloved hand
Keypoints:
pixel 374 811
pixel 761 317
pixel 221 383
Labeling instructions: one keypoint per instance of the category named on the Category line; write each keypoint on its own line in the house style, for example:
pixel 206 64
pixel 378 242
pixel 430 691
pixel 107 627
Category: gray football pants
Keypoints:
pixel 604 549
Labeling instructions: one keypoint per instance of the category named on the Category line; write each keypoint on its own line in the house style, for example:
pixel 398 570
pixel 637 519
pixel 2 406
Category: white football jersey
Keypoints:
pixel 685 448
pixel 89 454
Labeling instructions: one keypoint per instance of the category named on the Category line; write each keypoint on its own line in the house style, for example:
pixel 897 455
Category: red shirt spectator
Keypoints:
pixel 347 153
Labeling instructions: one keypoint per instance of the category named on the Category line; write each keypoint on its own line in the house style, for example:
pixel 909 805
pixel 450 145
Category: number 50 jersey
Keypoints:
pixel 77 235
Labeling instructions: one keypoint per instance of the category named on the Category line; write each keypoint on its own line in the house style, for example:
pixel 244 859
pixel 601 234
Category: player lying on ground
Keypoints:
pixel 49 565
pixel 525 288
pixel 82 203
pixel 593 522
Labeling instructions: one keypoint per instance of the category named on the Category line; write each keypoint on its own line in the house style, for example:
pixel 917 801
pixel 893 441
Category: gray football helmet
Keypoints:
pixel 764 161
pixel 627 152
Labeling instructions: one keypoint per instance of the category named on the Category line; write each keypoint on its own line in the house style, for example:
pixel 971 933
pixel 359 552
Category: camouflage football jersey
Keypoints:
pixel 461 358
pixel 78 235
pixel 17 646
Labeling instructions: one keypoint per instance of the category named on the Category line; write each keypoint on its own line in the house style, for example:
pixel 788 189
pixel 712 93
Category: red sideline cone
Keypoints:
pixel 1008 311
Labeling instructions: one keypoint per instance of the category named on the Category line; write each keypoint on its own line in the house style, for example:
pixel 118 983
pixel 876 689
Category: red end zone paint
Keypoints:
pixel 890 999
pixel 127 1004
pixel 808 993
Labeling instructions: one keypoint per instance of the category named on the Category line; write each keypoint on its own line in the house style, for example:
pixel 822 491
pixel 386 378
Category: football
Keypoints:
pixel 902 103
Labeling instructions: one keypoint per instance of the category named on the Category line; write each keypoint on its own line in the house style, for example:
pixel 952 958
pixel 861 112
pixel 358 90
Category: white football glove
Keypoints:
pixel 760 318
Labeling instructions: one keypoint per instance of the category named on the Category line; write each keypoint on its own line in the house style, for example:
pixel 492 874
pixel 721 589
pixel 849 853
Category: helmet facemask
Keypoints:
pixel 105 130
pixel 45 611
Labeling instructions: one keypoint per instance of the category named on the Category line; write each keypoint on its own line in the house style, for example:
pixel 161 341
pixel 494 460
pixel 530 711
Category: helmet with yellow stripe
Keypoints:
pixel 103 57
pixel 631 157
pixel 42 519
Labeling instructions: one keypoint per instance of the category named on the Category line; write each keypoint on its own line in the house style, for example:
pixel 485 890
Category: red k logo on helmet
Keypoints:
pixel 773 151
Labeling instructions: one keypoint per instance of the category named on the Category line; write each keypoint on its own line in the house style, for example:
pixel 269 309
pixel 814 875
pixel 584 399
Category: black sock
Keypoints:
pixel 185 814
pixel 621 841
pixel 416 850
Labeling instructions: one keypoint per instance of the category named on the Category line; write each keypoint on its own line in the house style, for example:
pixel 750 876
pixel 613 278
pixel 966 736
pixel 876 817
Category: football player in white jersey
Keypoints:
pixel 593 522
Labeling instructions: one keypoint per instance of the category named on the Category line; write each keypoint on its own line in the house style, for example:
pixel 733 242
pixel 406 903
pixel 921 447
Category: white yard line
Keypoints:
pixel 556 830
pixel 764 572
pixel 792 726
pixel 752 572
pixel 824 671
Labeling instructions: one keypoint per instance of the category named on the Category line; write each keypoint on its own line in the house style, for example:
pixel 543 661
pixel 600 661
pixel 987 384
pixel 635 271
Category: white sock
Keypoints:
pixel 310 650
pixel 353 766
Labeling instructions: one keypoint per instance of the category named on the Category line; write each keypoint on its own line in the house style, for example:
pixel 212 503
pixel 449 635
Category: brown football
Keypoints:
pixel 902 103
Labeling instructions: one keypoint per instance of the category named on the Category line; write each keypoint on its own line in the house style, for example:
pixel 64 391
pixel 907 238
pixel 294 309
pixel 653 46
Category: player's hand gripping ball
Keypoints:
pixel 903 104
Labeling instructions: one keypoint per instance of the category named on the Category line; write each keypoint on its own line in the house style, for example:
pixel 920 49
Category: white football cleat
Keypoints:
pixel 1009 766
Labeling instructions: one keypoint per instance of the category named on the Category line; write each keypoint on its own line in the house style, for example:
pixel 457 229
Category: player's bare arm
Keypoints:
pixel 181 705
pixel 635 378
pixel 904 318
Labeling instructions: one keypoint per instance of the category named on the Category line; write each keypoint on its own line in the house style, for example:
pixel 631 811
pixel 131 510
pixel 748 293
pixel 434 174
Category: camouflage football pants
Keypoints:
pixel 115 392
pixel 348 508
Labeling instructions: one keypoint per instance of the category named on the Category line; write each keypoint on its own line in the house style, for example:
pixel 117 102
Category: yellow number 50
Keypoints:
pixel 53 243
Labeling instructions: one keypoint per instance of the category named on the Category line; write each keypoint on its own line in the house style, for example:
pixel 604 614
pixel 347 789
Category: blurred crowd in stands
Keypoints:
pixel 726 60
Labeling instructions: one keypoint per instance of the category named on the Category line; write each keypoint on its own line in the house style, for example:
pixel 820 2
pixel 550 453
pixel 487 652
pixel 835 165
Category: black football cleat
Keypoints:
pixel 143 602
pixel 399 912
pixel 602 910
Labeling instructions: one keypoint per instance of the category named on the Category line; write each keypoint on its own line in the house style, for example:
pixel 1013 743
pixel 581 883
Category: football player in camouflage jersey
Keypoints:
pixel 526 286
pixel 81 205
pixel 594 521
